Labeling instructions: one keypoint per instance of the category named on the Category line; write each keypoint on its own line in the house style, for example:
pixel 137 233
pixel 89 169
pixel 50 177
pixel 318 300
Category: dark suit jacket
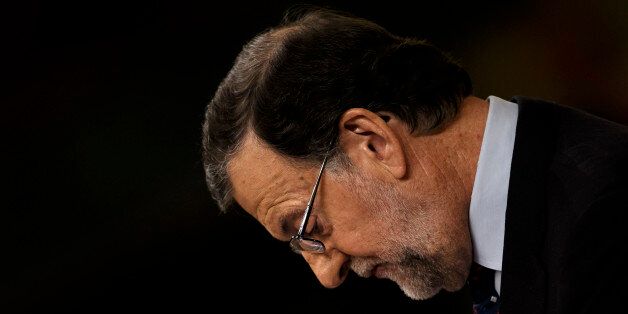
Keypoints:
pixel 566 220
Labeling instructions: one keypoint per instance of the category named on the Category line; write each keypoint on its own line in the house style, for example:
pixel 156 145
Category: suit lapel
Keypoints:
pixel 524 277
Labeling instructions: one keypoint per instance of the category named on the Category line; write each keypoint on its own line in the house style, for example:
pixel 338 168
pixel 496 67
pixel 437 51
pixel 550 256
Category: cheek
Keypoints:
pixel 355 231
pixel 360 216
pixel 366 234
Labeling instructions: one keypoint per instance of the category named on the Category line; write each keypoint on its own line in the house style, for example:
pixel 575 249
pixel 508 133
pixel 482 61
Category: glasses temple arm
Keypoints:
pixel 308 208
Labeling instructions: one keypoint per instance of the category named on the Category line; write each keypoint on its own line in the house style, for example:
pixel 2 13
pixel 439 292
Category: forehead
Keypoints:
pixel 260 176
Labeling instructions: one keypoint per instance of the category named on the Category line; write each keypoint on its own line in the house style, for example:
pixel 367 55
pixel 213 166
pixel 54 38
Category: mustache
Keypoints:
pixel 363 266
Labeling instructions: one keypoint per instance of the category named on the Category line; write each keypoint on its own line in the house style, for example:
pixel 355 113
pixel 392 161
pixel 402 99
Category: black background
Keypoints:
pixel 104 207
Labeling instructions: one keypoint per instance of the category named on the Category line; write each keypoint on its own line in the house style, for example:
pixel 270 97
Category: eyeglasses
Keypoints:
pixel 298 242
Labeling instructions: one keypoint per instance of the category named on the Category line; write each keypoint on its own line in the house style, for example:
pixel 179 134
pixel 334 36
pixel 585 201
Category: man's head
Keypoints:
pixel 392 201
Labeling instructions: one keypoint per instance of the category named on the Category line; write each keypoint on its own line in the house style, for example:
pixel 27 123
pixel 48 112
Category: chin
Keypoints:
pixel 456 279
pixel 455 286
pixel 419 295
pixel 418 286
pixel 422 284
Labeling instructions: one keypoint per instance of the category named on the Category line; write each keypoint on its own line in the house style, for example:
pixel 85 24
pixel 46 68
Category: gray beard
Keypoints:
pixel 418 275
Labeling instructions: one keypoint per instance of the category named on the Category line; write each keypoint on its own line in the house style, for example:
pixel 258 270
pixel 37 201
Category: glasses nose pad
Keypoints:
pixel 300 244
pixel 295 246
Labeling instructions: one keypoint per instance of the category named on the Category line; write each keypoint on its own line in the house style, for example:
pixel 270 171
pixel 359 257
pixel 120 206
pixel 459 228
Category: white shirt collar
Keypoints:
pixel 487 212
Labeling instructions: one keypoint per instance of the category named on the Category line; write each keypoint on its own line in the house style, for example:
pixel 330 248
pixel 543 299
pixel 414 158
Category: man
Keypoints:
pixel 367 151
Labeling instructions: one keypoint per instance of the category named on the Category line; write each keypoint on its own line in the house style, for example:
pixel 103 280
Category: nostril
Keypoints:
pixel 344 270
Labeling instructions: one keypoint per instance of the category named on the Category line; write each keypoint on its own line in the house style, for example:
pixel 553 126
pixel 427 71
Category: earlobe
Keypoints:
pixel 368 140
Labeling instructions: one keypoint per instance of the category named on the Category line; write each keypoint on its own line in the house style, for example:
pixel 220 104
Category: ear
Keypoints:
pixel 369 141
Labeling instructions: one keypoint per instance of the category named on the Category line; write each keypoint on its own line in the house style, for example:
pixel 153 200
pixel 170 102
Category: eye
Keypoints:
pixel 312 226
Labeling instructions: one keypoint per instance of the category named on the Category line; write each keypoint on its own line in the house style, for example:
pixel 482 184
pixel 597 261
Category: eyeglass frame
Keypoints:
pixel 316 246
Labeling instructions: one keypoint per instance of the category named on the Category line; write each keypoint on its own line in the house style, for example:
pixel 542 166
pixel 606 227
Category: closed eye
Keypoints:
pixel 289 224
pixel 313 227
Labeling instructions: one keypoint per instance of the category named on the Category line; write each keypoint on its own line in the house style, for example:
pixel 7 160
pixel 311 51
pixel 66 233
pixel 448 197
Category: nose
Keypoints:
pixel 330 267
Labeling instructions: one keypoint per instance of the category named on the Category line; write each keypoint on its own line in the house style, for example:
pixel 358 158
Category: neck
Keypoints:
pixel 468 132
pixel 455 150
